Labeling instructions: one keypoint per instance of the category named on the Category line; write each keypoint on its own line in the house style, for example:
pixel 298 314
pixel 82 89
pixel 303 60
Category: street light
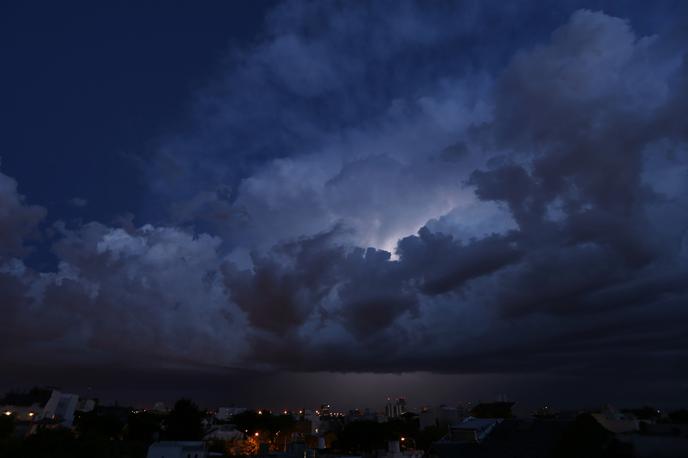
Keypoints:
pixel 408 442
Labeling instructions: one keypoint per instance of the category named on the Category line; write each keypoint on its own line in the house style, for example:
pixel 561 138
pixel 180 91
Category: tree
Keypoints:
pixel 586 437
pixel 429 435
pixel 493 410
pixel 679 416
pixel 6 426
pixel 98 424
pixel 363 436
pixel 143 426
pixel 184 422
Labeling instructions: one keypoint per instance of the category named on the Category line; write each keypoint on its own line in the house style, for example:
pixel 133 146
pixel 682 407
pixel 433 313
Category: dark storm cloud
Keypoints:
pixel 19 221
pixel 444 264
pixel 590 117
pixel 281 291
pixel 360 288
pixel 352 203
pixel 577 117
pixel 364 290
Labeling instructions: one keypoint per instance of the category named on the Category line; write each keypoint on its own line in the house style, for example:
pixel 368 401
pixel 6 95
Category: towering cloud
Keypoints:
pixel 350 198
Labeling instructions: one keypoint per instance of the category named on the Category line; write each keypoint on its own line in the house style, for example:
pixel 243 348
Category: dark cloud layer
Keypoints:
pixel 348 206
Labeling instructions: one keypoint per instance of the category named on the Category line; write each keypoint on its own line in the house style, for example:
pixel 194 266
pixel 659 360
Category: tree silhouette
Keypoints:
pixel 184 422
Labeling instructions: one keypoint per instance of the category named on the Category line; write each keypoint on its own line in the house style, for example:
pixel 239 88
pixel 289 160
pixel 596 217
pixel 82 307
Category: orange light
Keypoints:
pixel 256 434
pixel 31 414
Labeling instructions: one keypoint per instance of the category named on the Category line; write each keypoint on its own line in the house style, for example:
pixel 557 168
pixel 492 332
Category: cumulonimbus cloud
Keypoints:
pixel 347 239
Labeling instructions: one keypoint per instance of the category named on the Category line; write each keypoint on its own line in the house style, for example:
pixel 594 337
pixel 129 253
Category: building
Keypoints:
pixel 314 419
pixel 177 449
pixel 472 429
pixel 225 413
pixel 497 438
pixel 440 417
pixel 396 408
pixel 60 407
pixel 617 422
pixel 224 433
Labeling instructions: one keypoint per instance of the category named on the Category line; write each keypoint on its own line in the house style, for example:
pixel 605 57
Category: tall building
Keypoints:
pixel 395 408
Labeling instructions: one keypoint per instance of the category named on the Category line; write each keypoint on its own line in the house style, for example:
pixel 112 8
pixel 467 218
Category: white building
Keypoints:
pixel 177 449
pixel 225 413
pixel 60 407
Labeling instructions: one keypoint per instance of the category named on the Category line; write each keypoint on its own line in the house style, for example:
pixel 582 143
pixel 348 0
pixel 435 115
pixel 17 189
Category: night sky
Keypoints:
pixel 282 203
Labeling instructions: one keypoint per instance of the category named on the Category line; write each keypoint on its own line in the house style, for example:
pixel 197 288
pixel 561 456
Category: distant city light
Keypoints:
pixel 31 414
pixel 260 412
pixel 8 412
pixel 403 439
pixel 256 434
